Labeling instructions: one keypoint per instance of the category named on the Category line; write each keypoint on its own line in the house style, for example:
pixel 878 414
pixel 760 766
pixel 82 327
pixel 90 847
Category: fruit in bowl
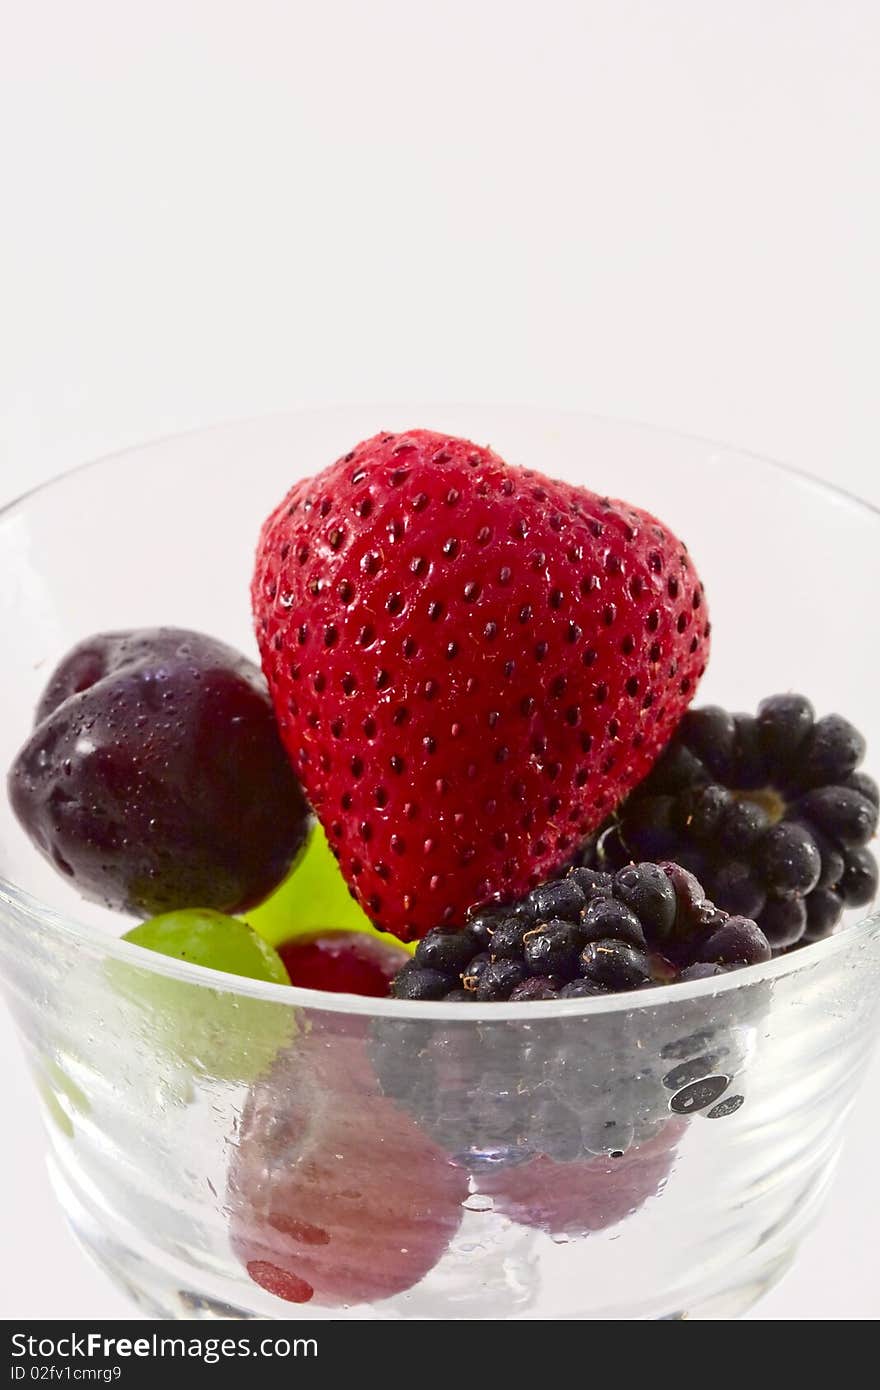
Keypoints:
pixel 480 678
pixel 479 681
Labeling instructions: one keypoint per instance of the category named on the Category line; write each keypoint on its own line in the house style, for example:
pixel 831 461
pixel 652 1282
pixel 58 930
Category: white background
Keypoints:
pixel 666 210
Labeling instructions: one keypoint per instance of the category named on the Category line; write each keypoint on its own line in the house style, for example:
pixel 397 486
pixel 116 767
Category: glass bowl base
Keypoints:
pixel 162 1285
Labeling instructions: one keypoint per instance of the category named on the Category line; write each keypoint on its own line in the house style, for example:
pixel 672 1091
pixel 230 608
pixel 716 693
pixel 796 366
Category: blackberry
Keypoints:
pixel 553 949
pixel 702 970
pixel 788 860
pixel 769 811
pixel 615 965
pixel 783 922
pixel 560 898
pixel 862 782
pixel 858 882
pixel 505 940
pixel 580 989
pixel 647 891
pixel 535 987
pixel 592 882
pixel 498 979
pixel 480 928
pixel 656 918
pixel 413 982
pixel 844 815
pixel 473 972
pixel 577 1084
pixel 446 951
pixel 738 941
pixel 824 911
pixel 609 918
pixel 735 884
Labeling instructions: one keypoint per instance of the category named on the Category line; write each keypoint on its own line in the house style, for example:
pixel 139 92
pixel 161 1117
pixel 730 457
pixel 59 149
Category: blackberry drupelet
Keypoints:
pixel 615 965
pixel 771 812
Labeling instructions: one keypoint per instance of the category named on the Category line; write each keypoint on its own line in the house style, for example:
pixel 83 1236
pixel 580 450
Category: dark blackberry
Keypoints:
pixel 842 814
pixel 479 929
pixel 783 723
pixel 764 810
pixel 473 972
pixel 498 979
pixel 735 884
pixel 864 784
pixel 447 951
pixel 535 987
pixel 592 882
pixel 858 882
pixel 783 922
pixel 702 970
pixel 413 982
pixel 560 898
pixel 659 913
pixel 552 948
pixel 738 941
pixel 648 893
pixel 789 860
pixel 607 918
pixel 458 996
pixel 615 964
pixel 830 753
pixel 506 939
pixel 709 735
pixel 824 911
pixel 581 989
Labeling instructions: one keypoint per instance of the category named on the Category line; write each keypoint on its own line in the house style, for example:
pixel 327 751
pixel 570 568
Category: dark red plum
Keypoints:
pixel 155 777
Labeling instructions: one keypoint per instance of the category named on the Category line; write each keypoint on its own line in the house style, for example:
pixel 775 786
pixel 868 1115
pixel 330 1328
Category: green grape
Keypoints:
pixel 201 1030
pixel 313 898
pixel 204 937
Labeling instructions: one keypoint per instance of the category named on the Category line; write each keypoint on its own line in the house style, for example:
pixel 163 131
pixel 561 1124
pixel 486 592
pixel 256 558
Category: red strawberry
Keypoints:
pixel 471 665
pixel 336 1195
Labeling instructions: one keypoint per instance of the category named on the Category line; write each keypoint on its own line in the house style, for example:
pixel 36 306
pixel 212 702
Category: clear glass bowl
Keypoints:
pixel 226 1148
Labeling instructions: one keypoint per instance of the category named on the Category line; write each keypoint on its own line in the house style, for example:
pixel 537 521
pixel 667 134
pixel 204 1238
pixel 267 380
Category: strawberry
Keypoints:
pixel 471 665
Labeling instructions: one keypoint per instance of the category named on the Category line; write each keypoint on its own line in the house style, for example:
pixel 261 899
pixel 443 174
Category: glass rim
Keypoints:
pixel 100 943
